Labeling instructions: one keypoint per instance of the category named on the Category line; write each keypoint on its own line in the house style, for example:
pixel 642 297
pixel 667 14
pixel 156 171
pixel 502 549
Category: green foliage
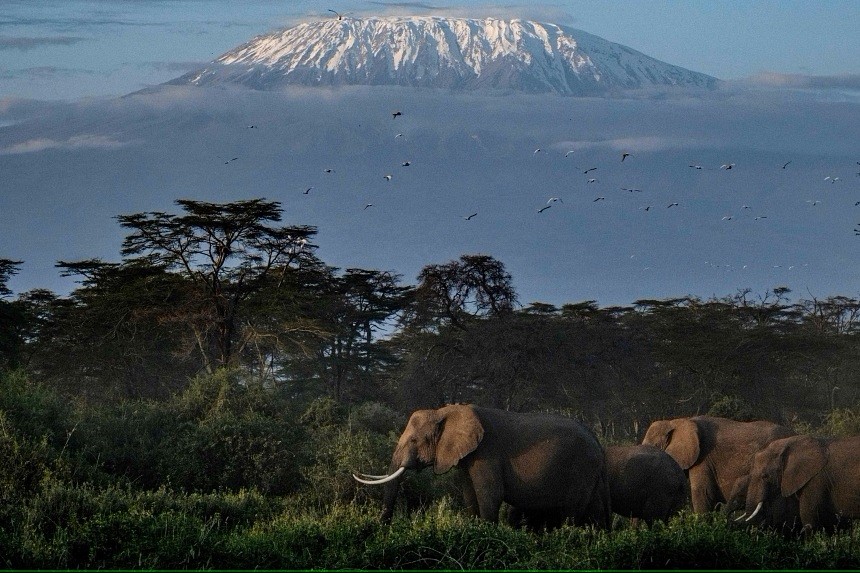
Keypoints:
pixel 842 422
pixel 732 407
pixel 119 528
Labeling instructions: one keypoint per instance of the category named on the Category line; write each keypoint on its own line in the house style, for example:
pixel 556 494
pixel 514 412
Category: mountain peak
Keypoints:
pixel 451 53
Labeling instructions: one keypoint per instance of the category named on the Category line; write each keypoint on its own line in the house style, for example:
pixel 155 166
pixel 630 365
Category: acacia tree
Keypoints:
pixel 227 252
pixel 11 316
pixel 453 293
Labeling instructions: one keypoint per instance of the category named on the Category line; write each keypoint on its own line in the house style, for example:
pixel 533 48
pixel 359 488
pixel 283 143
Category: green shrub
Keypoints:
pixel 842 422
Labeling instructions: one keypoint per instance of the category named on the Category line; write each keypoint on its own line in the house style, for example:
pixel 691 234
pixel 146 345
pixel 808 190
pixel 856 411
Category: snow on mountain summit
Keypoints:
pixel 453 53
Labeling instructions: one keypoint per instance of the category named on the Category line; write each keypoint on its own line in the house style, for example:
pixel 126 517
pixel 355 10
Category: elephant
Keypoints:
pixel 713 451
pixel 645 483
pixel 782 515
pixel 821 474
pixel 529 460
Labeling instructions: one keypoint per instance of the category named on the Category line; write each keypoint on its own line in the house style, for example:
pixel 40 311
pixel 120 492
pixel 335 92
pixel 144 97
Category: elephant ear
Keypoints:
pixel 461 432
pixel 683 442
pixel 801 460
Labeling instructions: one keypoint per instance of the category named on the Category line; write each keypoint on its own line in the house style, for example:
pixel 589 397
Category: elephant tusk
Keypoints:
pixel 371 476
pixel 757 509
pixel 743 515
pixel 380 481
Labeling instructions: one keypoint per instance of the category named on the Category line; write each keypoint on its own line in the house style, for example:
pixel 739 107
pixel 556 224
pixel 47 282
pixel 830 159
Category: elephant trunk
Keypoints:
pixel 392 488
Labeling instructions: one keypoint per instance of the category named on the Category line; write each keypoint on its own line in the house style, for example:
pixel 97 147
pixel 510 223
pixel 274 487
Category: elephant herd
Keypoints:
pixel 551 469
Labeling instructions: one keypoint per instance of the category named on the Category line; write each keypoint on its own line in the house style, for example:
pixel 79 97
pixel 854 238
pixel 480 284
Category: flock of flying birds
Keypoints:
pixel 591 172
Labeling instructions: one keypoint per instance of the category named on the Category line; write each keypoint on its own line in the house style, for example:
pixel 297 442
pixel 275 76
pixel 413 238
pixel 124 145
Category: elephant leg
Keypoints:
pixel 703 490
pixel 470 498
pixel 486 481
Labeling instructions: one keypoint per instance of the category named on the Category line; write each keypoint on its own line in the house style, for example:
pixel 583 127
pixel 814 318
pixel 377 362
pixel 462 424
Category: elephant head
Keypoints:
pixel 438 438
pixel 781 470
pixel 679 437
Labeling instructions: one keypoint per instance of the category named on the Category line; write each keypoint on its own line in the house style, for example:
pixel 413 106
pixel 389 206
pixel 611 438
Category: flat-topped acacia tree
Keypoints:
pixel 228 251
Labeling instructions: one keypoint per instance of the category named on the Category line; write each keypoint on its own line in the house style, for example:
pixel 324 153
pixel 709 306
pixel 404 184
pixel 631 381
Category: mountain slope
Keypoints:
pixel 450 53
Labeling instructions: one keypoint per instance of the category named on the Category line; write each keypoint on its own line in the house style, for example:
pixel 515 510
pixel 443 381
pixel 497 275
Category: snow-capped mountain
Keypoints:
pixel 451 53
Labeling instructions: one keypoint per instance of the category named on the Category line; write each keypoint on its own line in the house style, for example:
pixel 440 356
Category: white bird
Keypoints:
pixel 368 205
pixel 694 166
pixel 329 170
pixel 406 163
pixel 387 177
pixel 536 151
pixel 813 202
pixel 727 165
pixel 727 218
pixel 568 153
pixel 761 217
pixel 554 199
pixel 398 135
pixel 832 179
pixel 592 180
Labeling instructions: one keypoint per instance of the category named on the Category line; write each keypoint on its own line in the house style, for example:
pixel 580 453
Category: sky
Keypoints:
pixel 69 49
pixel 74 153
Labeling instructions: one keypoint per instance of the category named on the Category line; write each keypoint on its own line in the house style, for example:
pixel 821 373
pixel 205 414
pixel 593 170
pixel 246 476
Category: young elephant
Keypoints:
pixel 531 461
pixel 822 474
pixel 645 483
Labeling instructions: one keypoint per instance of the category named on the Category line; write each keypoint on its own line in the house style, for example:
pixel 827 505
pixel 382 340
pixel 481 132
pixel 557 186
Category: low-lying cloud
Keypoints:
pixel 83 141
pixel 25 43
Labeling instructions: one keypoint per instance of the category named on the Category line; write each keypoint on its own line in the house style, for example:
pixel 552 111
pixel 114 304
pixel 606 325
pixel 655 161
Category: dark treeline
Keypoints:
pixel 189 404
pixel 221 286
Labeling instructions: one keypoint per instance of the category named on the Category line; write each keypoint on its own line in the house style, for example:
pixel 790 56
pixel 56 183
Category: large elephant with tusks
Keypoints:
pixel 531 461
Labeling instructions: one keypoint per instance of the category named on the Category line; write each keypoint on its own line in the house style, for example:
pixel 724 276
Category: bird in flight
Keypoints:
pixel 536 151
pixel 568 153
pixel 784 165
pixel 646 208
pixel 338 14
pixel 599 199
pixel 394 114
pixel 306 191
pixel 587 170
pixel 398 135
pixel 406 164
pixel 727 166
pixel 544 208
pixel 761 217
pixel 727 218
pixel 814 203
pixel 592 180
pixel 329 170
pixel 252 127
pixel 832 179
pixel 554 199
pixel 469 217
pixel 387 177
pixel 694 166
pixel 368 205
pixel 625 155
pixel 631 189
pixel 234 159
pixel 672 205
